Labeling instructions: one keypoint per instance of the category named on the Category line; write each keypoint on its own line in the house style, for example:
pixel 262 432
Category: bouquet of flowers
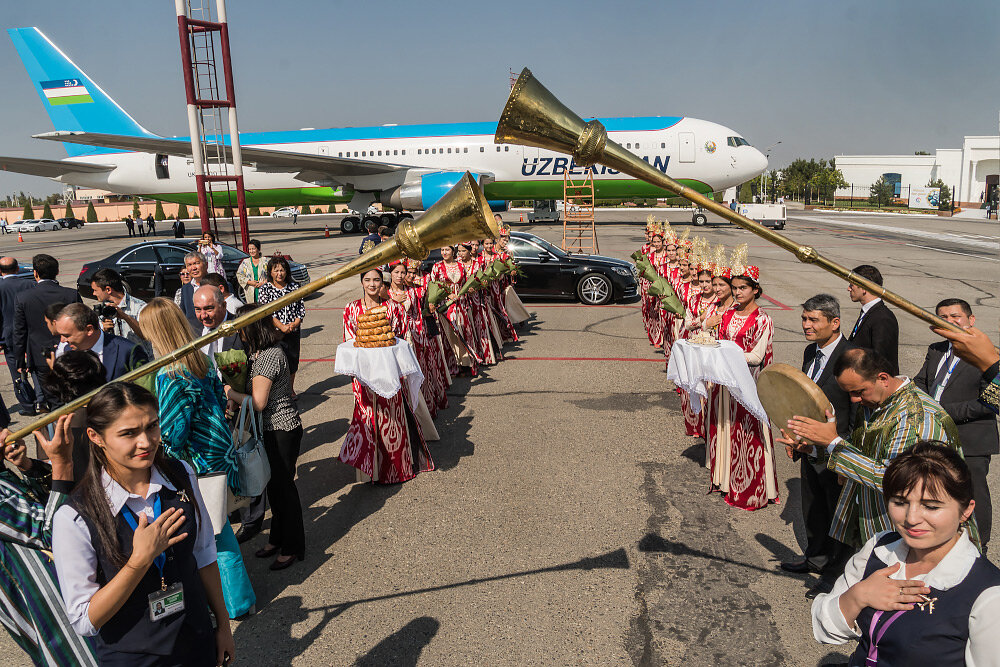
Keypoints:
pixel 669 301
pixel 234 366
pixel 436 293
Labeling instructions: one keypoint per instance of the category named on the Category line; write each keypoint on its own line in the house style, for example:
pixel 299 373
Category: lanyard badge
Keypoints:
pixel 169 600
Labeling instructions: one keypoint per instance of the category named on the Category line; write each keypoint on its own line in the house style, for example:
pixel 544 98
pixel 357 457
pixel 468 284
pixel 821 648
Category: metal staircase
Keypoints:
pixel 579 227
pixel 203 35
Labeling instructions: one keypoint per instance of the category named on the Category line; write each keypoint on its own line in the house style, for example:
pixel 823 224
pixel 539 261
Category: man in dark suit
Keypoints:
pixel 197 267
pixel 820 489
pixel 10 286
pixel 956 385
pixel 876 328
pixel 210 307
pixel 33 341
pixel 80 329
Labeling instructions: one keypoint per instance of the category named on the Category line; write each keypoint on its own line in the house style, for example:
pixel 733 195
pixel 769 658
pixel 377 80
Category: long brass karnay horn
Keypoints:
pixel 535 117
pixel 462 214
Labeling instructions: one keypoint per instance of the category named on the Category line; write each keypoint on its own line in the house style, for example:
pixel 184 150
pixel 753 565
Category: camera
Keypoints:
pixel 104 311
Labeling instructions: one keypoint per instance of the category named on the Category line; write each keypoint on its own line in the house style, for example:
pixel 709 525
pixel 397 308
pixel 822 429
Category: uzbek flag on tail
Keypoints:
pixel 66 91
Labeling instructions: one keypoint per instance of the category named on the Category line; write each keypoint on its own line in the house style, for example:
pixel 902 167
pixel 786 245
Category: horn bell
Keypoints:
pixel 462 214
pixel 534 116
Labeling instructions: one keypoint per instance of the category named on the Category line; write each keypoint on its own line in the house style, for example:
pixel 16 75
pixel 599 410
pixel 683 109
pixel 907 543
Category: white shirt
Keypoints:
pixel 97 349
pixel 76 559
pixel 232 304
pixel 216 345
pixel 983 646
pixel 827 350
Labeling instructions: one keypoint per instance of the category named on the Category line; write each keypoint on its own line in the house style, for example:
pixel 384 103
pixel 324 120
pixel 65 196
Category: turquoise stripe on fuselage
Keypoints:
pixel 381 132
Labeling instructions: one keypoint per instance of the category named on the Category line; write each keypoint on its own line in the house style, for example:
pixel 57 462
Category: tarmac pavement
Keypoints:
pixel 568 521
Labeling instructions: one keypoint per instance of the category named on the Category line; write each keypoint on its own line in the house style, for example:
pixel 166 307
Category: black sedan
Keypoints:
pixel 552 273
pixel 70 223
pixel 146 266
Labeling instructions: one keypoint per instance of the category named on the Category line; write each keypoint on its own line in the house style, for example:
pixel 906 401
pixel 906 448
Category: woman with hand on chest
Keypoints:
pixel 134 549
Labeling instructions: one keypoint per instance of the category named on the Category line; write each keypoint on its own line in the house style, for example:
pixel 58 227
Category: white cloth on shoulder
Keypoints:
pixel 380 368
pixel 693 366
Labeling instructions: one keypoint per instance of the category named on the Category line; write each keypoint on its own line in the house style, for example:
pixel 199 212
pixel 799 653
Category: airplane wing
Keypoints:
pixel 263 159
pixel 50 168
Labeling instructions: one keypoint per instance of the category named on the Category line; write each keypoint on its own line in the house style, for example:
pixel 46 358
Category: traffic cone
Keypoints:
pixel 20 239
pixel 522 217
pixel 328 231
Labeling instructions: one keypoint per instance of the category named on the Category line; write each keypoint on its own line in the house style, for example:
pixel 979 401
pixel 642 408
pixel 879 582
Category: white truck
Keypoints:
pixel 769 215
pixel 546 210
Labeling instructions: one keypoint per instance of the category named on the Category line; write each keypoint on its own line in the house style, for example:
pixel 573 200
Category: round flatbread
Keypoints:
pixel 785 392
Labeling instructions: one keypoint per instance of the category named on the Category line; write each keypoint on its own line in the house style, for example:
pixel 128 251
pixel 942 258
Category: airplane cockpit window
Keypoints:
pixel 736 142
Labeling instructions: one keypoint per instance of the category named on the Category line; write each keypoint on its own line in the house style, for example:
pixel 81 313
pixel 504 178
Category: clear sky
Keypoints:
pixel 821 77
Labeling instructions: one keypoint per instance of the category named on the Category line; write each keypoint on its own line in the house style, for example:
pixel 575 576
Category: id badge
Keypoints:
pixel 166 602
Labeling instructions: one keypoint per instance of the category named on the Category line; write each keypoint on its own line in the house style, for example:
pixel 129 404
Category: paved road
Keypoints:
pixel 567 522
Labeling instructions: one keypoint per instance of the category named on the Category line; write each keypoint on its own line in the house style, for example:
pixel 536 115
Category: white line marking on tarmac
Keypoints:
pixel 918 233
pixel 952 252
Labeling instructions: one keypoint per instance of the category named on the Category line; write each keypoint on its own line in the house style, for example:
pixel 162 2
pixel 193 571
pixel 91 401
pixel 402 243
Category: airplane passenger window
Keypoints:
pixel 628 145
pixel 498 149
pixel 466 150
pixel 506 148
pixel 482 149
pixel 663 145
pixel 380 152
pixel 449 150
pixel 396 152
pixel 363 154
pixel 637 145
pixel 340 154
pixel 355 153
pixel 404 151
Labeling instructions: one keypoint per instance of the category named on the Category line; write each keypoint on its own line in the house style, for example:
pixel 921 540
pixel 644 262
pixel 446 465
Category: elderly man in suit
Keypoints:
pixel 10 286
pixel 210 309
pixel 823 554
pixel 956 385
pixel 33 341
pixel 876 328
pixel 80 329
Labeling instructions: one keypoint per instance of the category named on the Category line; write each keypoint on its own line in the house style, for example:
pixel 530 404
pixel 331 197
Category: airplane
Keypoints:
pixel 404 167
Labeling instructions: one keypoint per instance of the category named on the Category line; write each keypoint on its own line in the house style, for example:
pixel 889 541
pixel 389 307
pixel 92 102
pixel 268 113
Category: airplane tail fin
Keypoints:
pixel 71 98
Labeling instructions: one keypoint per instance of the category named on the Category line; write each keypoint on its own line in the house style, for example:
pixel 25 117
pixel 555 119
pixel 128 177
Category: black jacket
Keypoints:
pixel 9 288
pixel 879 331
pixel 31 336
pixel 121 355
pixel 839 398
pixel 977 425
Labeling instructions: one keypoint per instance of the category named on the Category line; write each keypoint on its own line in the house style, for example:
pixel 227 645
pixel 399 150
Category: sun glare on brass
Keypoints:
pixel 462 214
pixel 534 116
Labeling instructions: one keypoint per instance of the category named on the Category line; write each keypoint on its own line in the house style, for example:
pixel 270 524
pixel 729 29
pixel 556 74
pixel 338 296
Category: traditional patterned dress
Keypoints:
pixel 499 306
pixel 740 451
pixel 644 300
pixel 457 321
pixel 435 383
pixel 480 317
pixel 384 440
pixel 673 325
pixel 697 305
pixel 654 319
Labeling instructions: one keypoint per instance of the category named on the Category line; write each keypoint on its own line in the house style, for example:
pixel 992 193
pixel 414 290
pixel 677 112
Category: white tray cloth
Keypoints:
pixel 380 368
pixel 692 367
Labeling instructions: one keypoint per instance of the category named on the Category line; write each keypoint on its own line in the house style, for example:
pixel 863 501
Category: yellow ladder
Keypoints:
pixel 579 227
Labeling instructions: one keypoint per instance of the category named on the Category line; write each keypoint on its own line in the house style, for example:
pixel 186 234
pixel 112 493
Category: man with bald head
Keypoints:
pixel 210 309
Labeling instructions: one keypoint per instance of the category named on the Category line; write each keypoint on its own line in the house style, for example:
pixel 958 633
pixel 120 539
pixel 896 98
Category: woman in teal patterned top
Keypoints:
pixel 193 428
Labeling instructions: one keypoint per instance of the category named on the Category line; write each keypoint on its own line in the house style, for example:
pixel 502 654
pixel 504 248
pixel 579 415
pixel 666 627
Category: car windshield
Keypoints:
pixel 231 254
pixel 545 244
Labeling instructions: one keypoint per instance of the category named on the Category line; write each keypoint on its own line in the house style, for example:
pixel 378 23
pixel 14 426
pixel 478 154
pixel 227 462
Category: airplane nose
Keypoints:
pixel 756 163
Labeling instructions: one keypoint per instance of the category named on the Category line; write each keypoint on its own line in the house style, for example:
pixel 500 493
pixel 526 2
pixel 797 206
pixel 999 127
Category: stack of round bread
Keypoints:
pixel 374 329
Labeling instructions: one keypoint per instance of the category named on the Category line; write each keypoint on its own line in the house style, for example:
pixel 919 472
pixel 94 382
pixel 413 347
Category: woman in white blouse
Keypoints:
pixel 133 548
pixel 922 594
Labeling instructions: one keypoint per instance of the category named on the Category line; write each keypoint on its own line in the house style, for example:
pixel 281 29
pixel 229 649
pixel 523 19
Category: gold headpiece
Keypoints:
pixel 739 263
pixel 650 222
pixel 683 239
pixel 718 264
pixel 668 234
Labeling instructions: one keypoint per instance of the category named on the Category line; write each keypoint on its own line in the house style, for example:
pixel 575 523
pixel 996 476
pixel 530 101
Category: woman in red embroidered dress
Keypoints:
pixel 741 451
pixel 516 311
pixel 655 325
pixel 698 303
pixel 410 300
pixel 496 293
pixel 439 352
pixel 477 306
pixel 457 321
pixel 384 440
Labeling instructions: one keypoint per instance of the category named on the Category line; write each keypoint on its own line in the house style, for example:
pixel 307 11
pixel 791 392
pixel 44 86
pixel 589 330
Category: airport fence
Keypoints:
pixel 890 197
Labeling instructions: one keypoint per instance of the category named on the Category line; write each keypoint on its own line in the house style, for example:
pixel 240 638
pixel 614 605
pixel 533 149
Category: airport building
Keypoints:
pixel 973 170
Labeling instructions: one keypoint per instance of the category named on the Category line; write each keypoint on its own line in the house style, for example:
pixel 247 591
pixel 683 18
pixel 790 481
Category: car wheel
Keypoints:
pixel 349 225
pixel 699 220
pixel 594 289
pixel 779 225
